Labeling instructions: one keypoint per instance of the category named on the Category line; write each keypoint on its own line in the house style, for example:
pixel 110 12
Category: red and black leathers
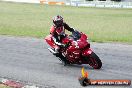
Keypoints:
pixel 58 33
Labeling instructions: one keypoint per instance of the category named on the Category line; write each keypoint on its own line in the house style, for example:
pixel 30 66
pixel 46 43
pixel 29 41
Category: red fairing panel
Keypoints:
pixel 82 42
pixel 87 52
pixel 50 41
pixel 83 37
pixel 66 40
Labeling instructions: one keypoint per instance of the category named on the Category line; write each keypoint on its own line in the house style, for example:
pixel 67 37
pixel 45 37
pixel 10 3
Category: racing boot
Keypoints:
pixel 64 60
pixel 54 51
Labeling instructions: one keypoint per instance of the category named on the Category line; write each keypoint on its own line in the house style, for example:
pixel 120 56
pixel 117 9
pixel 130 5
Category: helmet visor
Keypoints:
pixel 58 23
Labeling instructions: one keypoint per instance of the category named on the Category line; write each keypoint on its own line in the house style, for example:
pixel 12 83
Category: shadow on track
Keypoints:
pixel 86 66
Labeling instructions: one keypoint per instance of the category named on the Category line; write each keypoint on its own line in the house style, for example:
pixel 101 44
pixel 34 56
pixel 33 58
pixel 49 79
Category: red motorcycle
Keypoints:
pixel 78 50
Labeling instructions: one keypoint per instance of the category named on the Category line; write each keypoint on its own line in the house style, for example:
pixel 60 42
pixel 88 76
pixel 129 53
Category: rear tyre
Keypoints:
pixel 94 61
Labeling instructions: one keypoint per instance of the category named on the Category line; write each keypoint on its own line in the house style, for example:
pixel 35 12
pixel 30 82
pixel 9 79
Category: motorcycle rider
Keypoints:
pixel 58 32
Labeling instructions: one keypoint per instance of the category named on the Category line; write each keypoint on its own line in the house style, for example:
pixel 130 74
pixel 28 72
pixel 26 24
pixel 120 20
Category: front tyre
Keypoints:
pixel 94 61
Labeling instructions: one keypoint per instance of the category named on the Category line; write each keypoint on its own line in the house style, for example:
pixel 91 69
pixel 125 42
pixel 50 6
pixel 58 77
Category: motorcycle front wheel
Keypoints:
pixel 94 61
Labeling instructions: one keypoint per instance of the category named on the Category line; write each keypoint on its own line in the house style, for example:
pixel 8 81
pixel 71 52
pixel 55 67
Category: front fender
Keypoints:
pixel 87 52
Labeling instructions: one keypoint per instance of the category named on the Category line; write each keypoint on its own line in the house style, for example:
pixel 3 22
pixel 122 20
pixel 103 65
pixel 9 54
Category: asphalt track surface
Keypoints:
pixel 29 61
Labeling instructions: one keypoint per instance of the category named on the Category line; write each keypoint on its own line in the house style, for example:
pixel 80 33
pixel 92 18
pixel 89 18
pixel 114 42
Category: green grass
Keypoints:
pixel 4 86
pixel 101 24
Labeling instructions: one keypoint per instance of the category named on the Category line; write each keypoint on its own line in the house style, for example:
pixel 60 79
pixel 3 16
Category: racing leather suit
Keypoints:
pixel 58 33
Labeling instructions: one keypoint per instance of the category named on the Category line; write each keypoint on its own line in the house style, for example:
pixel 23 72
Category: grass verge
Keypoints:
pixel 100 24
pixel 4 86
